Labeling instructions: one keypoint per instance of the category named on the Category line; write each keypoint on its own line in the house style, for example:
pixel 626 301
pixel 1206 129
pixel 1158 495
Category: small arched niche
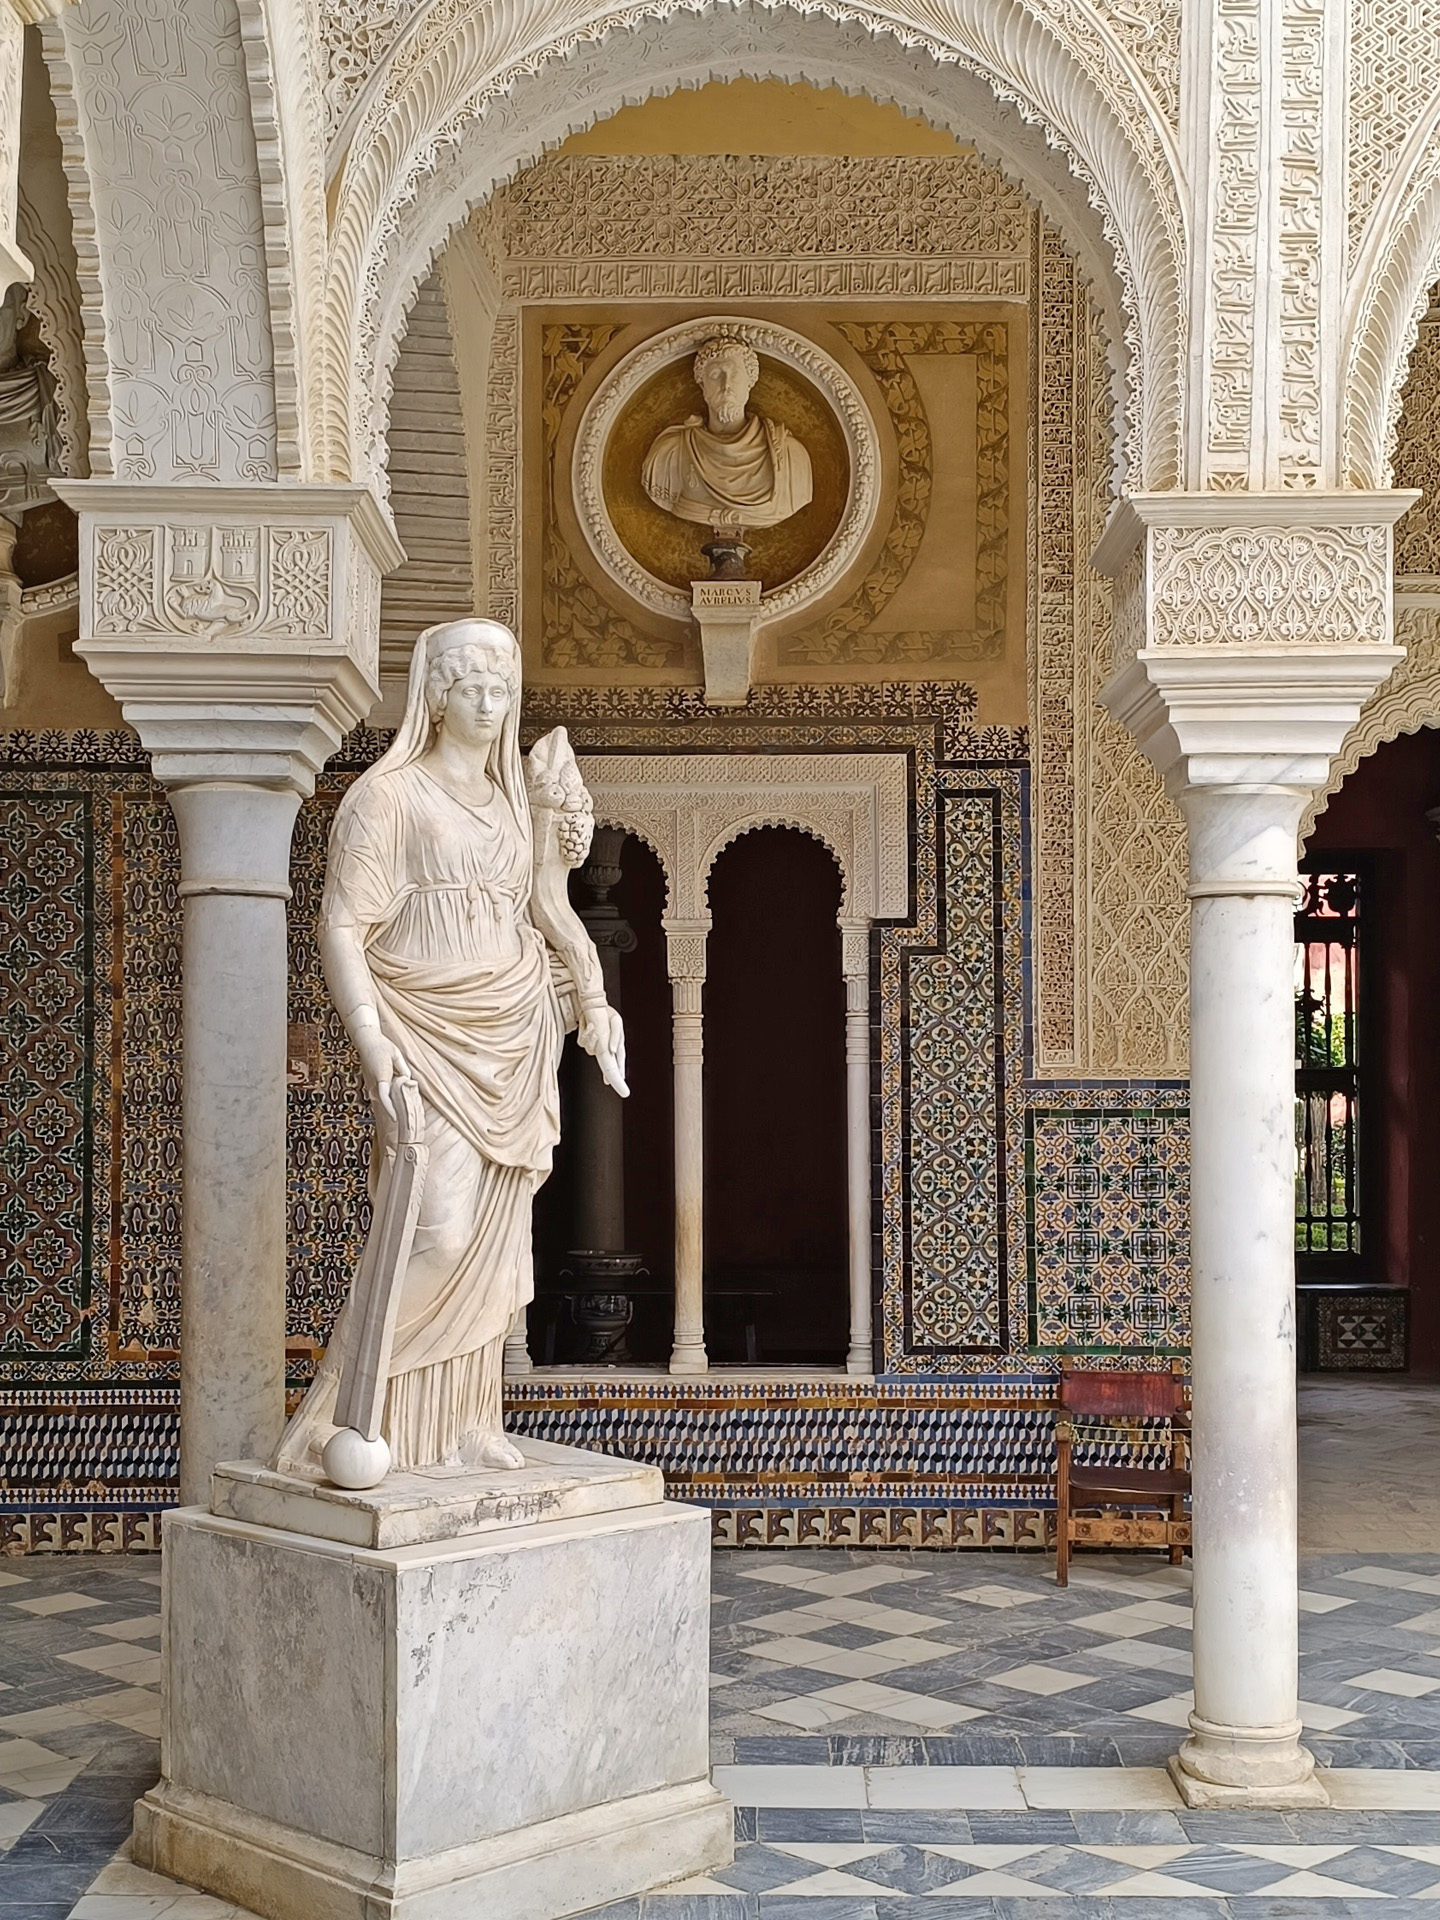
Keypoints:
pixel 775 1176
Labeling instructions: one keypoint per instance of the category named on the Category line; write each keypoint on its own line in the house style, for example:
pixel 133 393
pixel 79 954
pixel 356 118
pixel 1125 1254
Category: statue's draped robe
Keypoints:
pixel 439 894
pixel 755 478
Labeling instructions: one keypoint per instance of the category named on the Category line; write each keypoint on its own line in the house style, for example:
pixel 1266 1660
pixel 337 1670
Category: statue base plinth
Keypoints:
pixel 504 1710
pixel 728 615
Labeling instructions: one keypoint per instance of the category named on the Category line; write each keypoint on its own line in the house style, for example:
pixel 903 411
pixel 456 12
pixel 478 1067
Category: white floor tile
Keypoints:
pixel 117 1656
pixel 829 1853
pixel 805 1710
pixel 793 1786
pixel 1174 1712
pixel 14 1580
pixel 1407 1686
pixel 1294 1856
pixel 997 1596
pixel 1001 1886
pixel 887 1620
pixel 894 1703
pixel 1322 1719
pixel 43 1720
pixel 1146 1858
pixel 1041 1680
pixel 829 1884
pixel 1098 1789
pixel 1150 1655
pixel 1422 1622
pixel 15 1817
pixel 1328 1603
pixel 145 1626
pixel 1152 1886
pixel 978 1789
pixel 1382 1789
pixel 1316 1886
pixel 56 1603
pixel 988 1854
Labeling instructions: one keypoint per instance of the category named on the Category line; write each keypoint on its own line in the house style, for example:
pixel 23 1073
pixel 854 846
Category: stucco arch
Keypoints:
pixel 473 94
pixel 1395 265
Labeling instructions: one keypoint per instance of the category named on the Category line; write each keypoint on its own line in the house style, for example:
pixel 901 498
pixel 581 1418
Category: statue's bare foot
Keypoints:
pixel 493 1450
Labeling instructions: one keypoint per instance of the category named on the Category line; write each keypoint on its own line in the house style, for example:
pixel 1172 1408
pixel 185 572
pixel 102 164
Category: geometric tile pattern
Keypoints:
pixel 880 1793
pixel 1108 1231
pixel 955 1098
pixel 964 1661
pixel 46 1073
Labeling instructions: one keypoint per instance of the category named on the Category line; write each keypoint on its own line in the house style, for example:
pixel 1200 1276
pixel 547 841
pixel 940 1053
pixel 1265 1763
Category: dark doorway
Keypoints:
pixel 1377 827
pixel 648 1124
pixel 775 1196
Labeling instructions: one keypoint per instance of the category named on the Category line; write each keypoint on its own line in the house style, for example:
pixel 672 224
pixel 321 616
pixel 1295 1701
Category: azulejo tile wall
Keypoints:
pixel 1014 1221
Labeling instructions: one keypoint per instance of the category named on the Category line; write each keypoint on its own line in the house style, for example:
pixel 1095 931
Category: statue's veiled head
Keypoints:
pixel 726 369
pixel 468 650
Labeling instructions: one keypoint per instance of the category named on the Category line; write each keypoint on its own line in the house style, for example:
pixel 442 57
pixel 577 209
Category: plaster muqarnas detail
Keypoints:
pixel 989 1186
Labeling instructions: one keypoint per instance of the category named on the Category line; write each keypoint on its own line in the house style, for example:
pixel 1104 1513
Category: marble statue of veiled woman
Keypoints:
pixel 434 941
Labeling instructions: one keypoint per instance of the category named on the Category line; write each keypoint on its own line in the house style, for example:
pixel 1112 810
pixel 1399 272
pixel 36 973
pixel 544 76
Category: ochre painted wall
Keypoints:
pixel 762 116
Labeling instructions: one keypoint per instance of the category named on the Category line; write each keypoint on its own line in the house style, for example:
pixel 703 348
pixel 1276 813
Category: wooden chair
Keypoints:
pixel 1114 1405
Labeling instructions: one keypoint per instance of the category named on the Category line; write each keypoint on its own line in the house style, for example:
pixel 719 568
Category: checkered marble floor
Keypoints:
pixel 942 1735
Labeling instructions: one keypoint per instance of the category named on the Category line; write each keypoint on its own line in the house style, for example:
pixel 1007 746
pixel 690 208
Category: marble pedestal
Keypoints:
pixel 451 1695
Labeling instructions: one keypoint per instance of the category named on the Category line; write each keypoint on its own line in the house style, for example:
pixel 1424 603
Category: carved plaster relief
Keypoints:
pixel 43 228
pixel 1272 586
pixel 154 115
pixel 212 581
pixel 1417 454
pixel 1392 82
pixel 803 226
pixel 1110 937
pixel 688 808
pixel 458 103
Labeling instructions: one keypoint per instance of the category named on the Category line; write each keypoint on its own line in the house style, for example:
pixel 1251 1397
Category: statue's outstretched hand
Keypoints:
pixel 602 1035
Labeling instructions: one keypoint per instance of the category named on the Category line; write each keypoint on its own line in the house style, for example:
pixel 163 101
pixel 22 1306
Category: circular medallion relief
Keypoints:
pixel 799 471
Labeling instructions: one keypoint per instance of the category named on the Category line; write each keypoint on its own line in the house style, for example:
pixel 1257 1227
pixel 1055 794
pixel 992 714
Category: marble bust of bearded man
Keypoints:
pixel 732 468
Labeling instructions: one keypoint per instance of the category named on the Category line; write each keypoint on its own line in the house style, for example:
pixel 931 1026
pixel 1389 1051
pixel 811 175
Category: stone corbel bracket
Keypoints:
pixel 728 615
pixel 238 627
pixel 1249 628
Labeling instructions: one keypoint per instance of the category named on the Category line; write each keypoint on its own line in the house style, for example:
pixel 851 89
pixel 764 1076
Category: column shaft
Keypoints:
pixel 234 866
pixel 689 1351
pixel 1246 1727
pixel 861 1357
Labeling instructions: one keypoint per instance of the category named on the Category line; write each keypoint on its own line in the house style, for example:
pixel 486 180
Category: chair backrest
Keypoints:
pixel 1122 1396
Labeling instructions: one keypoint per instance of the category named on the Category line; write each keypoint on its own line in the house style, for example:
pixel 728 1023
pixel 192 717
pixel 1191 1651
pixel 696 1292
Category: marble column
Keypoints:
pixel 855 960
pixel 238 629
pixel 686 957
pixel 1245 1730
pixel 600 1114
pixel 1248 641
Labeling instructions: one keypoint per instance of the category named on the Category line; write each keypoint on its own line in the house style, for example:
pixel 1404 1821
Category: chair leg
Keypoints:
pixel 1062 1513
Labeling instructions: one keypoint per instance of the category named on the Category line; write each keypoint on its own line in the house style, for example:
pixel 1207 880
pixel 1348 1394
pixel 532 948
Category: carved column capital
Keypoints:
pixel 238 627
pixel 1250 628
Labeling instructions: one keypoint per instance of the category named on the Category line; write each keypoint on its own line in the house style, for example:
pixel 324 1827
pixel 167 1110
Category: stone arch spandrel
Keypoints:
pixel 172 249
pixel 1046 91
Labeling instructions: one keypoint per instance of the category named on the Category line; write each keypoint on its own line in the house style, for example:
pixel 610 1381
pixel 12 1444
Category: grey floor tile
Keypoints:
pixel 948 1829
